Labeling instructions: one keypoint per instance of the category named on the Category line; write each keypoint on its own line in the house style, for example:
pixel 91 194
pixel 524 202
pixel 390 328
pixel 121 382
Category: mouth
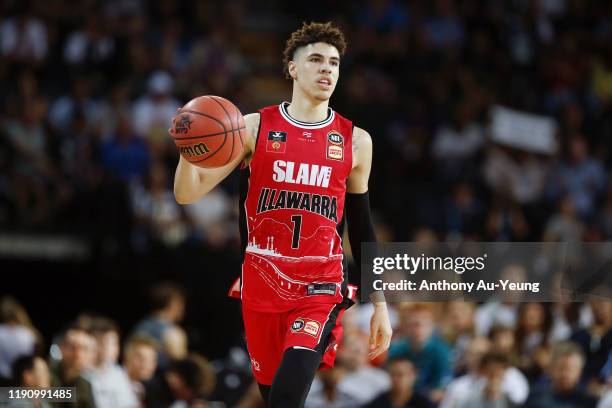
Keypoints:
pixel 325 83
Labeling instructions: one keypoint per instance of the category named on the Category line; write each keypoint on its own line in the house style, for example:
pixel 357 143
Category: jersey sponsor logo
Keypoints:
pixel 312 328
pixel 276 142
pixel 304 325
pixel 307 174
pixel 335 146
pixel 272 199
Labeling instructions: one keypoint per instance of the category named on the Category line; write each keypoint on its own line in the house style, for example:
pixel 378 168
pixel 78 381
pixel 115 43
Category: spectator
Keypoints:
pixel 564 226
pixel 157 212
pixel 430 354
pixel 110 385
pixel 514 387
pixel 444 29
pixel 458 330
pixel 91 46
pixel 503 313
pixel 186 382
pixel 490 393
pixel 564 372
pixel 505 221
pixel 532 334
pixel 329 394
pixel 356 379
pixel 140 362
pixel 211 217
pixel 581 177
pixel 153 113
pixel 596 340
pixel 519 175
pixel 168 309
pixel 456 145
pixel 125 155
pixel 23 38
pixel 402 393
pixel 79 101
pixel 503 340
pixel 465 213
pixel 30 372
pixel 17 335
pixel 78 354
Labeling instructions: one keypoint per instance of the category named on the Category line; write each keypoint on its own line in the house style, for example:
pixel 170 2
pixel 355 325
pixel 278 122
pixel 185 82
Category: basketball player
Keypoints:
pixel 305 170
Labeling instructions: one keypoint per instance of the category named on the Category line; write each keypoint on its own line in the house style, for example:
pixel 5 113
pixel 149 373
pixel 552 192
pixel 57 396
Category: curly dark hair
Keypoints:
pixel 311 33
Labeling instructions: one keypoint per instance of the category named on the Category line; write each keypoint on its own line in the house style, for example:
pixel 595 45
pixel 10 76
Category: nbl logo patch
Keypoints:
pixel 276 142
pixel 304 325
pixel 335 146
pixel 297 325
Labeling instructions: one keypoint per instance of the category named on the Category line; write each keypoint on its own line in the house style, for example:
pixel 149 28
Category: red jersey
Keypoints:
pixel 292 211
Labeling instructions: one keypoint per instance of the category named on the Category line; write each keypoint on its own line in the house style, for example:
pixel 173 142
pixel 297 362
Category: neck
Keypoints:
pixel 307 109
pixel 400 397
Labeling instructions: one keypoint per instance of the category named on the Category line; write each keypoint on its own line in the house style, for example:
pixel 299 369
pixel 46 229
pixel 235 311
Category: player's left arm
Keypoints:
pixel 361 229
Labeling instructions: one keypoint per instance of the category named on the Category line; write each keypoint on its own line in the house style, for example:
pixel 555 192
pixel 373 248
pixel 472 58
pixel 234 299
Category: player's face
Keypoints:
pixel 315 69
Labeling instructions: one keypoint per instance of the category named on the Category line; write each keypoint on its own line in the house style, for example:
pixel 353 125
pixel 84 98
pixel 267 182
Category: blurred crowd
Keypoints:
pixel 90 88
pixel 88 91
pixel 445 354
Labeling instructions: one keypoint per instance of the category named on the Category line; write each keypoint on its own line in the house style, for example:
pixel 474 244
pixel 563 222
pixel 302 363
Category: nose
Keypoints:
pixel 326 68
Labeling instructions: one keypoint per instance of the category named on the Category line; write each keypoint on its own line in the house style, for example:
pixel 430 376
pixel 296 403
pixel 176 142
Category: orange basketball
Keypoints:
pixel 209 131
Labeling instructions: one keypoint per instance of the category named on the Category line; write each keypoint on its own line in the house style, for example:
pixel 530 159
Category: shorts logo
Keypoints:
pixel 307 326
pixel 276 142
pixel 255 364
pixel 335 146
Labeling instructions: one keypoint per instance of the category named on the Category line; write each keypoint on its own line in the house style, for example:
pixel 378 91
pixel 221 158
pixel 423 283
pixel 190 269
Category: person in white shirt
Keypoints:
pixel 360 381
pixel 514 385
pixel 109 382
pixel 140 362
pixel 17 336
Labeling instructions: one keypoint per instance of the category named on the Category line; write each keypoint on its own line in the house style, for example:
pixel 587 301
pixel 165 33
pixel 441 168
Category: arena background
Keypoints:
pixel 87 218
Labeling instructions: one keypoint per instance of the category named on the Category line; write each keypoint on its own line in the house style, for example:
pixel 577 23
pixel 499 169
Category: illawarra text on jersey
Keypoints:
pixel 273 199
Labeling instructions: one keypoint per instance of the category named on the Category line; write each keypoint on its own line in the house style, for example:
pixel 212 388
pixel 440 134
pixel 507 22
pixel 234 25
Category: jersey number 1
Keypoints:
pixel 297 226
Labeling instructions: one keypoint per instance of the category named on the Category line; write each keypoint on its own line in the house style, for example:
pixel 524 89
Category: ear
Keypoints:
pixel 292 68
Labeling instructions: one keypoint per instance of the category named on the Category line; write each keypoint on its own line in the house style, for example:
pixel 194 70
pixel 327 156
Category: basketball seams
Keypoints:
pixel 202 136
pixel 230 121
pixel 205 115
pixel 229 159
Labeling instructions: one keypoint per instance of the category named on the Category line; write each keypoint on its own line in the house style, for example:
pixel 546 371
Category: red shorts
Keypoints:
pixel 315 326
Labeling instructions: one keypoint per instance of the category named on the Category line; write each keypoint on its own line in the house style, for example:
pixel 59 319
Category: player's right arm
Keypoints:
pixel 192 182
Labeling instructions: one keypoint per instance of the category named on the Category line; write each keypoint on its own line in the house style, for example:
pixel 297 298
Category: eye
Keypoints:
pixel 315 59
pixel 335 63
